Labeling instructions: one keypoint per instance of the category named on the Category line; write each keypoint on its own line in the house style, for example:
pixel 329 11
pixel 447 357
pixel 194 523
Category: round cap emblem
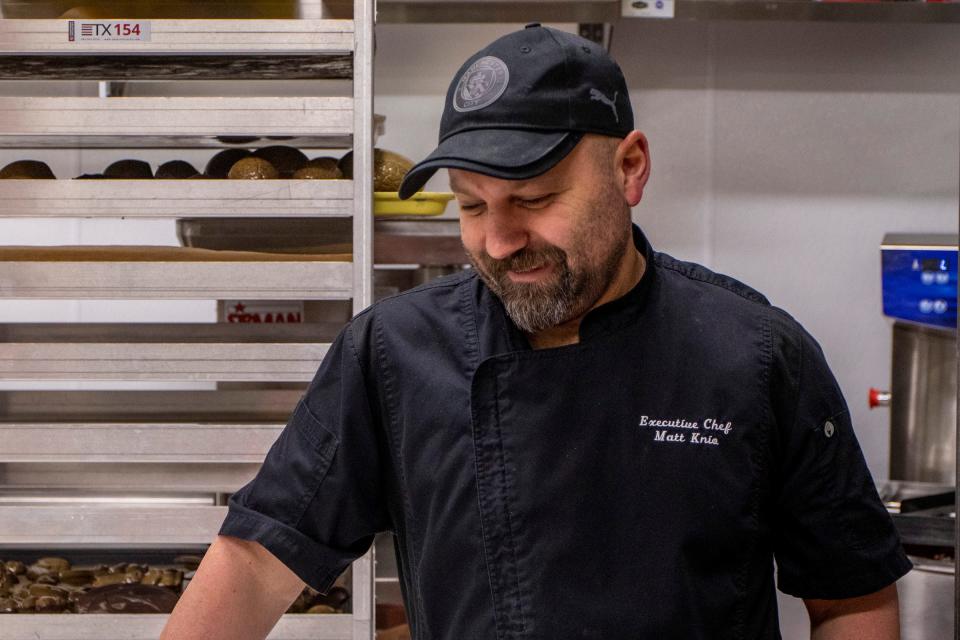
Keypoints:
pixel 481 84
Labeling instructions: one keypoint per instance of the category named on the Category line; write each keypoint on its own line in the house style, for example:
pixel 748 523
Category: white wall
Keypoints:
pixel 781 154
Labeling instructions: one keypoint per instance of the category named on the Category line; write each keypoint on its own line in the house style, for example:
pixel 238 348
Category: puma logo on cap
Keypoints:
pixel 596 95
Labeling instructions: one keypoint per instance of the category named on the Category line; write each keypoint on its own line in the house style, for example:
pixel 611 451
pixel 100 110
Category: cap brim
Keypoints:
pixel 511 154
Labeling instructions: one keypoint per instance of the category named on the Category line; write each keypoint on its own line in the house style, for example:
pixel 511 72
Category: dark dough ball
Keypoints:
pixel 237 139
pixel 346 165
pixel 176 169
pixel 287 160
pixel 129 170
pixel 31 169
pixel 219 165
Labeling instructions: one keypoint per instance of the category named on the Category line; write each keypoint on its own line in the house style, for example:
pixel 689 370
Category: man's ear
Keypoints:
pixel 632 162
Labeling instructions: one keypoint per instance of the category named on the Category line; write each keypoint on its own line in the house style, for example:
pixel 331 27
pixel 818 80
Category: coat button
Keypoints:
pixel 828 429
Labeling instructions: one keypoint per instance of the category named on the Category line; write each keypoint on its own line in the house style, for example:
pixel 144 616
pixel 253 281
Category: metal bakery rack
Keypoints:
pixel 150 469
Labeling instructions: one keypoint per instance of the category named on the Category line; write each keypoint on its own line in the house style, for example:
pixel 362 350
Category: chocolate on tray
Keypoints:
pixel 127 598
pixel 54 585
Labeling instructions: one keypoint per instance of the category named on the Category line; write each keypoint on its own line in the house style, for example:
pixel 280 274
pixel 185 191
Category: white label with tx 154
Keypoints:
pixel 108 30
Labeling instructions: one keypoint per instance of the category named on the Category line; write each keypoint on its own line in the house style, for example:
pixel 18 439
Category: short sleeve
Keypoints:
pixel 832 536
pixel 316 502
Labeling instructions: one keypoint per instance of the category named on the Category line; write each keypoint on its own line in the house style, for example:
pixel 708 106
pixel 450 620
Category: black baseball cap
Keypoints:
pixel 521 104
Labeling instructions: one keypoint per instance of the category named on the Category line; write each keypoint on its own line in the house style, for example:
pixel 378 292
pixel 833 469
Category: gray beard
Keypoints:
pixel 536 307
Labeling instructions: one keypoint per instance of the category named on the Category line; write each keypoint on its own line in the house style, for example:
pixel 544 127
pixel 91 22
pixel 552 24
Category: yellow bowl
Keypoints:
pixel 424 203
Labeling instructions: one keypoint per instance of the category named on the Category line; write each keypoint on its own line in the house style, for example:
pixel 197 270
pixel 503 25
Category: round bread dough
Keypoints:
pixel 319 169
pixel 253 168
pixel 389 168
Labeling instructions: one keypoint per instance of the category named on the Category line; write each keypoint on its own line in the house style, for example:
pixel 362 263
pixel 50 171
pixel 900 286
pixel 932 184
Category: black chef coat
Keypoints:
pixel 638 484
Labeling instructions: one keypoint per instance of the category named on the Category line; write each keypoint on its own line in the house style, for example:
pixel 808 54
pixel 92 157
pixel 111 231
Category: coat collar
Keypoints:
pixel 497 334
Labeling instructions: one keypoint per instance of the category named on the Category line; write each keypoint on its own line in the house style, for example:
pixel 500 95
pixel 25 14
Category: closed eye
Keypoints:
pixel 470 208
pixel 535 203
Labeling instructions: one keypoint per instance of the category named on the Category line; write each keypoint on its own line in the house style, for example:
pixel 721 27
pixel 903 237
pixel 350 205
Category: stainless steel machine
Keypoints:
pixel 920 294
pixel 919 275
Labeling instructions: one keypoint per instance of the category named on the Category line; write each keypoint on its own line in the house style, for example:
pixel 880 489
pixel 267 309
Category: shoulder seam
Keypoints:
pixel 352 340
pixel 750 295
pixel 424 287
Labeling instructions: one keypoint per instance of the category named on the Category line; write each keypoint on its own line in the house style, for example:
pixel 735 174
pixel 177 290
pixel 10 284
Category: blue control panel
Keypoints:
pixel 920 279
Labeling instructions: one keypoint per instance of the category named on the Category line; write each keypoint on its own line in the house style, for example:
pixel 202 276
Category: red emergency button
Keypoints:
pixel 877 398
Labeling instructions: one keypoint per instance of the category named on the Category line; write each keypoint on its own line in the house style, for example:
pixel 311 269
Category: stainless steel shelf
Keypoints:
pixel 136 442
pixel 427 242
pixel 124 478
pixel 22 37
pixel 107 351
pixel 75 525
pixel 419 241
pixel 168 361
pixel 246 405
pixel 102 276
pixel 176 198
pixel 36 121
pixel 47 450
pixel 148 627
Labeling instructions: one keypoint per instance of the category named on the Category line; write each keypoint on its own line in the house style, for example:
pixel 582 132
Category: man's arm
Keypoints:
pixel 875 616
pixel 239 592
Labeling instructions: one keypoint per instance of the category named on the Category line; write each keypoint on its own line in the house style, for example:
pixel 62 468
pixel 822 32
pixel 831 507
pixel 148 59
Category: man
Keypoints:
pixel 581 437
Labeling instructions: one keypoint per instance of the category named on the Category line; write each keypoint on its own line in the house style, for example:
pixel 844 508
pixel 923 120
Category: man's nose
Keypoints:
pixel 505 234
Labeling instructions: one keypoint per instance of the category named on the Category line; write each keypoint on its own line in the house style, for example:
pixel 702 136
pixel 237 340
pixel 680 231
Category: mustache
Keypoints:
pixel 526 258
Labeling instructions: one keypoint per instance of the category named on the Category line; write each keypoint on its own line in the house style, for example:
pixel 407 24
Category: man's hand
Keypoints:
pixel 871 617
pixel 239 592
